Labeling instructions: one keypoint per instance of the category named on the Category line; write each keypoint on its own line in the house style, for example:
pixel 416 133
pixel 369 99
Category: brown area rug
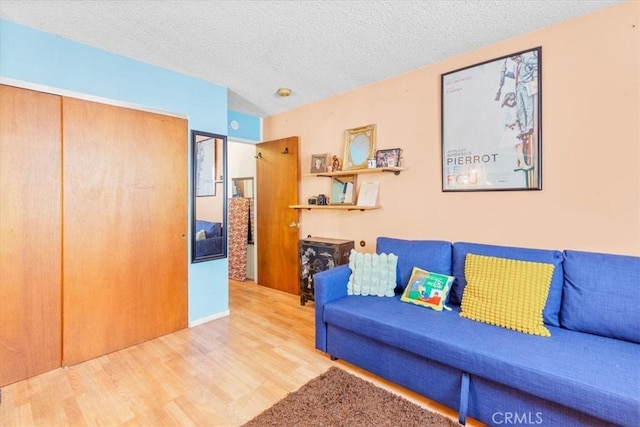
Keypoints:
pixel 337 398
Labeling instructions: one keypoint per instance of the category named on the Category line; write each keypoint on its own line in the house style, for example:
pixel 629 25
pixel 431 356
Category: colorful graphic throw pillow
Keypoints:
pixel 427 289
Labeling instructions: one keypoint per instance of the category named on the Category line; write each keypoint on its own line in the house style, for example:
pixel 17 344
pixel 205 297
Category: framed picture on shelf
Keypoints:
pixel 491 126
pixel 388 158
pixel 343 190
pixel 319 163
pixel 368 194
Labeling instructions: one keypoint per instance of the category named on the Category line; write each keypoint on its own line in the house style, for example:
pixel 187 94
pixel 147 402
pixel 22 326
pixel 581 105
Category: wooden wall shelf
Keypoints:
pixel 335 207
pixel 394 170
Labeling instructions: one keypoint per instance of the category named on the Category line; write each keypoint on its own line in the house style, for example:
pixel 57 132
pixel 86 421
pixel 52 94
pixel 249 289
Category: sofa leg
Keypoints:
pixel 333 357
pixel 464 398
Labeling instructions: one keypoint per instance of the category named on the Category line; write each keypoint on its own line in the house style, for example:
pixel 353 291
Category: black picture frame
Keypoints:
pixel 390 157
pixel 491 130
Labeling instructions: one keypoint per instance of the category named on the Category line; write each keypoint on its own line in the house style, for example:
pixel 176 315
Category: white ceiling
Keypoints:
pixel 318 48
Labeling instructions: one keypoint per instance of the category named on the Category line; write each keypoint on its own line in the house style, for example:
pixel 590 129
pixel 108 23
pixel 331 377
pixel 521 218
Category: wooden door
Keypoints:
pixel 30 233
pixel 277 178
pixel 125 227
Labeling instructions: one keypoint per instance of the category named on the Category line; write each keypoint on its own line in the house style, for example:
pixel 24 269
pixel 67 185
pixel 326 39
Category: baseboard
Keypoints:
pixel 209 318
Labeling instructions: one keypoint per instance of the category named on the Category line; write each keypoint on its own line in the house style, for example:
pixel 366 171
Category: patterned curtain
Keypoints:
pixel 238 230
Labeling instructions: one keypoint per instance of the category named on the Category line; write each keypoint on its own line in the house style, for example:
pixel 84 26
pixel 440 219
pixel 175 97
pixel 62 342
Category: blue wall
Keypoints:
pixel 244 127
pixel 33 56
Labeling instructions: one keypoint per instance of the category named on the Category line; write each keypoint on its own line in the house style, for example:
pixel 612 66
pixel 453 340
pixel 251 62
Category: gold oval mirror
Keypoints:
pixel 359 146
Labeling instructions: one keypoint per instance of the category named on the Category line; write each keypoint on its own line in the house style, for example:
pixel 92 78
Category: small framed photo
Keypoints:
pixel 388 158
pixel 319 163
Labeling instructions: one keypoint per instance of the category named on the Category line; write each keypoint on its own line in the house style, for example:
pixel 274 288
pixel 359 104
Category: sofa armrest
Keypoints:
pixel 329 285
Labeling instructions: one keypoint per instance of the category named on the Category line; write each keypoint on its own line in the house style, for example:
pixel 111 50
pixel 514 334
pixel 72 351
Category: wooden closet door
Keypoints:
pixel 30 234
pixel 125 227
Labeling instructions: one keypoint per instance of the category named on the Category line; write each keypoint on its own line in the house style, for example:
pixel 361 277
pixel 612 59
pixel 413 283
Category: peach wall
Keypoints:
pixel 591 148
pixel 210 208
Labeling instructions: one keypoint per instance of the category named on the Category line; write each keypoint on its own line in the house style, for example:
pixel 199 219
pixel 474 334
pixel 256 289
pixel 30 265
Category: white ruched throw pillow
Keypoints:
pixel 372 274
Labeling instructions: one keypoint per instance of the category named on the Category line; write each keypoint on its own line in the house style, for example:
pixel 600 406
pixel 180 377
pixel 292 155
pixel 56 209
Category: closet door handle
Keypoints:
pixel 294 224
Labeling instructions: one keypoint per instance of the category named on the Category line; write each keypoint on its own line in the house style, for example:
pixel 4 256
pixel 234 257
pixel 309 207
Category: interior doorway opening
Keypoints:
pixel 242 172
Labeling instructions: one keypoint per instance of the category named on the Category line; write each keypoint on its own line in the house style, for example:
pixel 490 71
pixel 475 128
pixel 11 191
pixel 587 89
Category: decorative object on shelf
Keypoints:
pixel 371 163
pixel 319 163
pixel 359 146
pixel 343 190
pixel 319 254
pixel 313 200
pixel 492 140
pixel 322 200
pixel 388 158
pixel 336 164
pixel 368 194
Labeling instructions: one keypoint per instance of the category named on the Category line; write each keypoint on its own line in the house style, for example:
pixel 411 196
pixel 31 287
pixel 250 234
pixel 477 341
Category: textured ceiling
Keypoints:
pixel 318 48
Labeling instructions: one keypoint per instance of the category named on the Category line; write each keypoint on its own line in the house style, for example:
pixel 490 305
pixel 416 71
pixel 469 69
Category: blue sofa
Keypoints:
pixel 214 241
pixel 586 373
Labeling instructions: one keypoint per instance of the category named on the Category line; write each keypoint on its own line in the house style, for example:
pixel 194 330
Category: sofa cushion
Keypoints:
pixel 427 289
pixel 430 255
pixel 551 313
pixel 507 293
pixel 601 294
pixel 593 374
pixel 211 229
pixel 215 230
pixel 372 274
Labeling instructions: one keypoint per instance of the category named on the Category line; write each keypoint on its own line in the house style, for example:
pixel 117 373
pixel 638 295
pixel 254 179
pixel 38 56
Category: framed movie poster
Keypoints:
pixel 491 125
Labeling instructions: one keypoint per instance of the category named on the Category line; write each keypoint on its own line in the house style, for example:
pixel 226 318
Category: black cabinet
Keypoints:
pixel 319 254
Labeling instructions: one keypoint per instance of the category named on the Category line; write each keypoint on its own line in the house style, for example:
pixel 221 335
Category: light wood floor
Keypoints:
pixel 221 373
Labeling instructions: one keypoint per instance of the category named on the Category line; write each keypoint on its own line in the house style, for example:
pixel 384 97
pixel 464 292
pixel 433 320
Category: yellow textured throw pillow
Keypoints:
pixel 506 292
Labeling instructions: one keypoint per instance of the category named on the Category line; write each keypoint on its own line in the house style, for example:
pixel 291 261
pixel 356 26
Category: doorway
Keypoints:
pixel 243 188
pixel 277 184
pixel 272 260
pixel 242 169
